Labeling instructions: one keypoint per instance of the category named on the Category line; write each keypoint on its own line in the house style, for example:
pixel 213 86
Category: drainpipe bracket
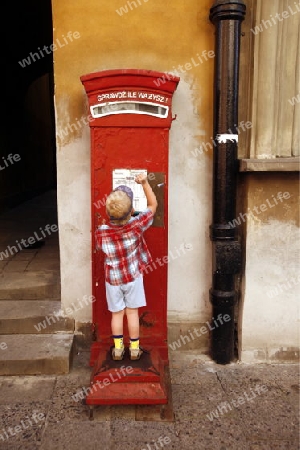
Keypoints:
pixel 222 232
pixel 223 300
pixel 227 257
pixel 227 10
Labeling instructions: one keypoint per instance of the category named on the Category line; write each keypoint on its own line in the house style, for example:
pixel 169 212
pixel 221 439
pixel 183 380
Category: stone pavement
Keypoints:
pixel 236 406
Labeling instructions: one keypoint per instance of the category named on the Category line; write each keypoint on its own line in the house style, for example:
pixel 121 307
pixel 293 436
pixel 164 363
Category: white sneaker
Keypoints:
pixel 118 353
pixel 135 353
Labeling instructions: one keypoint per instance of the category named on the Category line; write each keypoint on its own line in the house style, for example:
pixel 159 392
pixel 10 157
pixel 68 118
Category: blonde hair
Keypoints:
pixel 118 207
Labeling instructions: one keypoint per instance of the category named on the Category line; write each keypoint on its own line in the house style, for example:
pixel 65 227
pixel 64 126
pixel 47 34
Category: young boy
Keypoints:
pixel 126 256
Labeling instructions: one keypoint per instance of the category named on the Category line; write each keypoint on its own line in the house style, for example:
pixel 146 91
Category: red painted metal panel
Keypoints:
pixel 109 79
pixel 132 149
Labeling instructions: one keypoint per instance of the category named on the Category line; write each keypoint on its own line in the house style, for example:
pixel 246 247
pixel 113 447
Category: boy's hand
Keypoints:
pixel 150 196
pixel 141 178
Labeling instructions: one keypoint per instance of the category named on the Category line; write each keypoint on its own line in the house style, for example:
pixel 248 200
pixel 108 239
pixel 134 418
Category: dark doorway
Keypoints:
pixel 29 254
pixel 27 150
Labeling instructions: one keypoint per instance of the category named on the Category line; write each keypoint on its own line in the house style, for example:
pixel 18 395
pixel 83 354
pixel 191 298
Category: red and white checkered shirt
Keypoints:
pixel 126 252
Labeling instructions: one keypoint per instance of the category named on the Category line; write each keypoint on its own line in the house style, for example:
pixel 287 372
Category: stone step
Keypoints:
pixel 32 354
pixel 33 317
pixel 30 285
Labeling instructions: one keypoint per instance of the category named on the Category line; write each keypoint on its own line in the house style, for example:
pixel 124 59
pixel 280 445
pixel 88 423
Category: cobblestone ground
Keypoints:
pixel 230 407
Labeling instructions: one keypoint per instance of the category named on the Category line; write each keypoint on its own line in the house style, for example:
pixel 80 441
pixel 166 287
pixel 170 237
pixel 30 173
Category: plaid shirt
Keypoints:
pixel 126 252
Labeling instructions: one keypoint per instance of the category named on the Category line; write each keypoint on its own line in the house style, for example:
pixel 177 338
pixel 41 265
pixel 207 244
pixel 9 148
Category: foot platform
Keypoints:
pixel 128 381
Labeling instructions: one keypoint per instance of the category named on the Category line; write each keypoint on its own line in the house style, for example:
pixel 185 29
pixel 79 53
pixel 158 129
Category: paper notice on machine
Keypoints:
pixel 126 177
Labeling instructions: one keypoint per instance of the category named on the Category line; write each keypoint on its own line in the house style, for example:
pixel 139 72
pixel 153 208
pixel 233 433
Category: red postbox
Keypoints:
pixel 130 118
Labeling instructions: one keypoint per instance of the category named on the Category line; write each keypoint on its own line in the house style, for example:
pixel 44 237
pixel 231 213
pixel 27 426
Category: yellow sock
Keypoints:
pixel 118 341
pixel 134 343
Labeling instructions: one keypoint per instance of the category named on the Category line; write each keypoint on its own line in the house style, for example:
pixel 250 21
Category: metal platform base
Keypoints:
pixel 127 382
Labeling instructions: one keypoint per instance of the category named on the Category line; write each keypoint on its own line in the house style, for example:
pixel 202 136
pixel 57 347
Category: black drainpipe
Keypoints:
pixel 227 16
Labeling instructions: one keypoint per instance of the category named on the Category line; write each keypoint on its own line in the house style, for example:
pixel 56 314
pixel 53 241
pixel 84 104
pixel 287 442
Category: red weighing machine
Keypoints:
pixel 130 118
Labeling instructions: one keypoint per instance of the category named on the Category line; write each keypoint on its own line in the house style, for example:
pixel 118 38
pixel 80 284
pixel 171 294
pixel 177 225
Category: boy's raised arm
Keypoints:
pixel 150 196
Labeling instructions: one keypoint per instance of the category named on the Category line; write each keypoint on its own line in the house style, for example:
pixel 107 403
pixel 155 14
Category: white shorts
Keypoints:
pixel 129 295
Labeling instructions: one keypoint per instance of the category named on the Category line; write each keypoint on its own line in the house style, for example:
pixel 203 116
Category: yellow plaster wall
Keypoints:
pixel 154 35
pixel 167 36
pixel 272 197
pixel 270 312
